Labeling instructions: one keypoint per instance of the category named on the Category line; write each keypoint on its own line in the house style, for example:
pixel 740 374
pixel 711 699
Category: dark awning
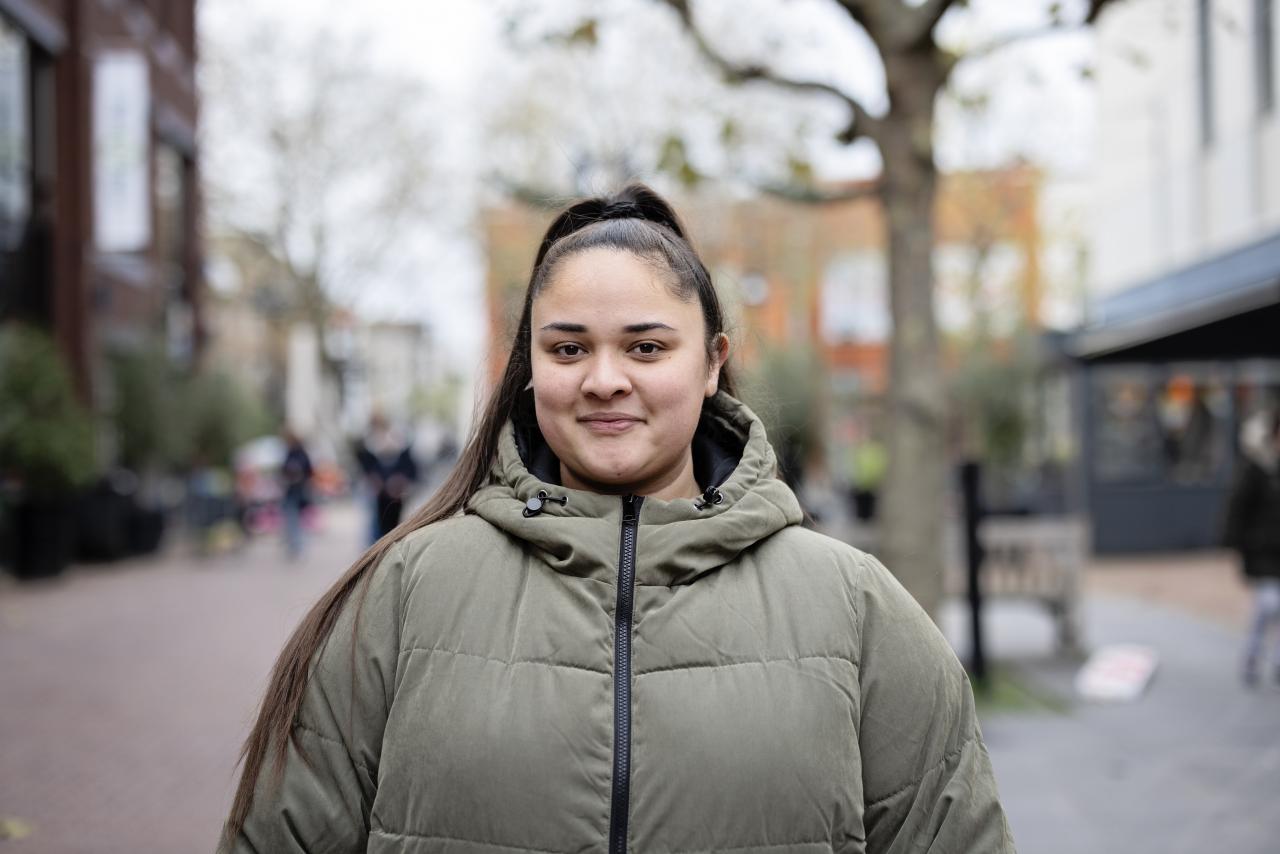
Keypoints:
pixel 1224 307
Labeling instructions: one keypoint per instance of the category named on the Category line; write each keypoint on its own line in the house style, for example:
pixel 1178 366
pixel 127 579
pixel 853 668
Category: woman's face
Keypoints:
pixel 620 371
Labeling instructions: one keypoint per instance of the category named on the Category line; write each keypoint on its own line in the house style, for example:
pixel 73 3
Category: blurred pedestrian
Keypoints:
pixel 1253 529
pixel 615 563
pixel 295 491
pixel 386 459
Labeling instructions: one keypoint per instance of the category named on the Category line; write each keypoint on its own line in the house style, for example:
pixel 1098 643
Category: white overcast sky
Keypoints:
pixel 1039 106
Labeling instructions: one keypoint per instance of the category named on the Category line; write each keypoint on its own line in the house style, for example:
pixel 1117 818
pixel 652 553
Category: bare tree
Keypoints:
pixel 916 68
pixel 318 161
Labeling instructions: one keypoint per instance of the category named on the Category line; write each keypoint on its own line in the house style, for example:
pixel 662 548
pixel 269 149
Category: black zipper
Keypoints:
pixel 622 676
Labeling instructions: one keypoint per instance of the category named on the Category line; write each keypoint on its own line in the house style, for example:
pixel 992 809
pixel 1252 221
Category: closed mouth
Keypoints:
pixel 609 418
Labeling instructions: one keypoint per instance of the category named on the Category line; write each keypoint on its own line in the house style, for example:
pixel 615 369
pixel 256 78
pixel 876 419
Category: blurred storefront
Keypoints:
pixel 1182 341
pixel 99 202
pixel 1169 372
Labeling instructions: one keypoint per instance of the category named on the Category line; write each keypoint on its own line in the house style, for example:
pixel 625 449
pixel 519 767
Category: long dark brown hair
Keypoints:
pixel 635 220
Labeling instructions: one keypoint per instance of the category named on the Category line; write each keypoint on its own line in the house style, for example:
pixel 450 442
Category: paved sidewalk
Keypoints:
pixel 1206 584
pixel 1192 766
pixel 128 689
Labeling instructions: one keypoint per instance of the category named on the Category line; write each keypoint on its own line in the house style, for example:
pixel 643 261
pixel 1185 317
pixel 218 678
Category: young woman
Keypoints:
pixel 608 632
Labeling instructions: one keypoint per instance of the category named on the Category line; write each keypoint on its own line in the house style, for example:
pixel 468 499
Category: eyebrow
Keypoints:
pixel 630 328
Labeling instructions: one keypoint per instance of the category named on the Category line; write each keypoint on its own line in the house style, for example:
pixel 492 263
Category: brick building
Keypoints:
pixel 99 200
pixel 810 276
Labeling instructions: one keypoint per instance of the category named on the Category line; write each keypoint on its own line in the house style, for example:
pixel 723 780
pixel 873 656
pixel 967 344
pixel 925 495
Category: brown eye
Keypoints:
pixel 569 350
pixel 647 348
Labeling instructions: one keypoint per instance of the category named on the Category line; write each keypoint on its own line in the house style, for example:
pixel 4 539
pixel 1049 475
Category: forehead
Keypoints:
pixel 611 282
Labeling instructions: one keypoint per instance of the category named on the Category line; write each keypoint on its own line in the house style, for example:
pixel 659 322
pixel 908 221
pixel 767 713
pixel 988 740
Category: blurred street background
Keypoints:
pixel 1004 281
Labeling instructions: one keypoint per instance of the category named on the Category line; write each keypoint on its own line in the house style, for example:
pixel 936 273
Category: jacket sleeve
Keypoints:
pixel 927 779
pixel 322 797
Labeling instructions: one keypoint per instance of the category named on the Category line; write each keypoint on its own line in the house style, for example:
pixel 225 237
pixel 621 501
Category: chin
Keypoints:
pixel 615 479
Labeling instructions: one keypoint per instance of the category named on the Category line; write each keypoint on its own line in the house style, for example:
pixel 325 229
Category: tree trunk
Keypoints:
pixel 914 499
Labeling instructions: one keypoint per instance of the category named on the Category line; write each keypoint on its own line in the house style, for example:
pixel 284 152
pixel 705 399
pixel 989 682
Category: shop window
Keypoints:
pixel 1127 441
pixel 1193 416
pixel 1257 393
pixel 15 137
pixel 26 177
pixel 171 243
pixel 171 213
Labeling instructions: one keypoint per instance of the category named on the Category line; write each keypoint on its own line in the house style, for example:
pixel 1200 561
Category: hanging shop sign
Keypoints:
pixel 121 149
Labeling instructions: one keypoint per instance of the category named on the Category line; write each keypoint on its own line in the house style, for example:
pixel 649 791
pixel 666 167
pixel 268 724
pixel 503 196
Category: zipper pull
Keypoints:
pixel 630 508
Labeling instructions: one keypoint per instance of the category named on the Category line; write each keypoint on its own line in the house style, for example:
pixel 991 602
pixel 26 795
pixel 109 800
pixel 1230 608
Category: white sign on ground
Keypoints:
pixel 1117 673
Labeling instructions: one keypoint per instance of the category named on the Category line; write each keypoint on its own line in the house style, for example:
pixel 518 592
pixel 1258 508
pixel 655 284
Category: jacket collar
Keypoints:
pixel 677 540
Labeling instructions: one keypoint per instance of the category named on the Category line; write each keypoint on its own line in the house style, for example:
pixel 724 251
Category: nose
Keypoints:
pixel 606 378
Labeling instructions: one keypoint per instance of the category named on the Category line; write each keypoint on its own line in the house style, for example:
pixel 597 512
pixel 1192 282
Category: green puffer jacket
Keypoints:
pixel 777 691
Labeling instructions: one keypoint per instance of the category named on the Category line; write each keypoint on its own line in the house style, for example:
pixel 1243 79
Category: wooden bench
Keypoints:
pixel 1037 558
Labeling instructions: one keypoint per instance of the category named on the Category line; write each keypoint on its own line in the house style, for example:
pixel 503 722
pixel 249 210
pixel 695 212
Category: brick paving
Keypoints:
pixel 126 690
pixel 1204 584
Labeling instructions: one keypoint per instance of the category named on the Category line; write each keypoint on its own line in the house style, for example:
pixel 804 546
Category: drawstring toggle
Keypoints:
pixel 534 505
pixel 710 496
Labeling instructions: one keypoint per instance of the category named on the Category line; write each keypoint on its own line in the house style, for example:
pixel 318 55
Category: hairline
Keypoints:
pixel 654 258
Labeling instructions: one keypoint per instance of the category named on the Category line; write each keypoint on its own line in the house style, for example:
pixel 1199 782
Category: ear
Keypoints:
pixel 719 355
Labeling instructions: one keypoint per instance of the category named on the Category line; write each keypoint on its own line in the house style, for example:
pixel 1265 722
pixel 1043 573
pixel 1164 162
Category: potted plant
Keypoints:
pixel 123 515
pixel 46 449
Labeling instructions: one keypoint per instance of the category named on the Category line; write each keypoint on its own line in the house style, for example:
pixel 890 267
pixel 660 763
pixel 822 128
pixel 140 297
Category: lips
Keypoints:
pixel 609 422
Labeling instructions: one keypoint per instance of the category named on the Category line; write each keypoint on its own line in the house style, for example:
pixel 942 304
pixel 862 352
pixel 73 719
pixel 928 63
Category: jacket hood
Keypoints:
pixel 678 540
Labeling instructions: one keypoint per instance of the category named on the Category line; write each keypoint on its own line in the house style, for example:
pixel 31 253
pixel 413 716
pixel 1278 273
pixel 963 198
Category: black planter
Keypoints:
pixel 44 537
pixel 146 530
pixel 103 524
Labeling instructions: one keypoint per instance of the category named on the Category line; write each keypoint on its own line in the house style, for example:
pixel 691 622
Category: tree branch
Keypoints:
pixel 860 13
pixel 996 45
pixel 537 197
pixel 861 123
pixel 814 196
pixel 895 26
pixel 917 23
pixel 1095 9
pixel 1054 28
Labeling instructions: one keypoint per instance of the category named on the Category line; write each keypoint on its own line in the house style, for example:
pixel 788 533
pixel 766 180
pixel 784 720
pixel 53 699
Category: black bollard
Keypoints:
pixel 970 492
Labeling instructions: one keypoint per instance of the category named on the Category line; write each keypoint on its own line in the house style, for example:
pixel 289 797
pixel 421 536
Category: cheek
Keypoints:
pixel 554 396
pixel 680 397
pixel 552 386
